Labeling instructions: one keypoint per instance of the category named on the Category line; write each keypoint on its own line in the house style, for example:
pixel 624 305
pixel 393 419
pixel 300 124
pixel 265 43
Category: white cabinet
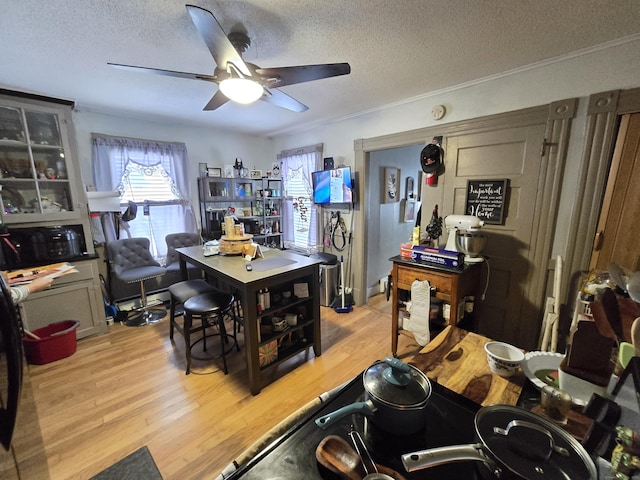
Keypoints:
pixel 75 296
pixel 41 190
pixel 37 173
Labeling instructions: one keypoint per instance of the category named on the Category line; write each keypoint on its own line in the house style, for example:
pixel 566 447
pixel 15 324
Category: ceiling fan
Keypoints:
pixel 241 81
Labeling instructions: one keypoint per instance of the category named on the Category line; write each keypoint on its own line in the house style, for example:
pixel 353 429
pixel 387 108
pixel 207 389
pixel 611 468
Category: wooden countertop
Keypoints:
pixel 456 359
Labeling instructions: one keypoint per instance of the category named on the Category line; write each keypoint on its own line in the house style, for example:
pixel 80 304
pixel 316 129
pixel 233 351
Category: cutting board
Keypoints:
pixel 456 359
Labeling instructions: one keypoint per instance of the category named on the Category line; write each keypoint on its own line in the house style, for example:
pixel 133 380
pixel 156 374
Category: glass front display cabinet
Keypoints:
pixel 34 172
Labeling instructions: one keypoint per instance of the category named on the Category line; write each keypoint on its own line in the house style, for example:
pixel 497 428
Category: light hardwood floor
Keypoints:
pixel 127 388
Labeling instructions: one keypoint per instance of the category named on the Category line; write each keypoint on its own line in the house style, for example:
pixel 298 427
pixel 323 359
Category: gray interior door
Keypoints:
pixel 513 154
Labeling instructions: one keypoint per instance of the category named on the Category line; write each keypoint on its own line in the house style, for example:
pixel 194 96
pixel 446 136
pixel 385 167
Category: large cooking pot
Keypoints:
pixel 514 443
pixel 396 397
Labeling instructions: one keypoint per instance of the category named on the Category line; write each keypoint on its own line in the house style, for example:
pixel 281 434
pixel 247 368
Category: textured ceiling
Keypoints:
pixel 397 49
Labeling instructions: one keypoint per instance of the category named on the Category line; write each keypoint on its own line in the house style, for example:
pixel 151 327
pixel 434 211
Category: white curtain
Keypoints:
pixel 116 158
pixel 300 215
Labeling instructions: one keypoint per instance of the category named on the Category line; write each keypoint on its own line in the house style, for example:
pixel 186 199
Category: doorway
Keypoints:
pixel 551 124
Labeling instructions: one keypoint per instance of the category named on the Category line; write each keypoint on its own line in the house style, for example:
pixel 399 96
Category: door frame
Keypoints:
pixel 557 116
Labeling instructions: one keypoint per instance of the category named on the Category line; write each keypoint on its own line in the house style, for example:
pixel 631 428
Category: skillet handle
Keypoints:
pixel 438 456
pixel 364 408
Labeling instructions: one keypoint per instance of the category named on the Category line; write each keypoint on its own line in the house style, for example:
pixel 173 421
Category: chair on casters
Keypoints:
pixel 131 261
pixel 209 309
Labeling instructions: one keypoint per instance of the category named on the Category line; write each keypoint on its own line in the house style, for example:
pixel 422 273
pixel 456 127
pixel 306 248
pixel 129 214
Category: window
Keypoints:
pixel 300 215
pixel 153 175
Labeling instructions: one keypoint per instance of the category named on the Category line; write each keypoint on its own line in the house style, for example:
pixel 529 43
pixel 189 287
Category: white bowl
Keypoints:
pixel 504 359
pixel 542 367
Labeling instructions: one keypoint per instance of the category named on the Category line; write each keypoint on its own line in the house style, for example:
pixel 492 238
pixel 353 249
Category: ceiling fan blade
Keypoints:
pixel 213 35
pixel 216 101
pixel 303 73
pixel 168 73
pixel 276 97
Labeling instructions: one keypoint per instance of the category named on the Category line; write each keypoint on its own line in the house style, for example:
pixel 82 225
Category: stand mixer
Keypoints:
pixel 465 237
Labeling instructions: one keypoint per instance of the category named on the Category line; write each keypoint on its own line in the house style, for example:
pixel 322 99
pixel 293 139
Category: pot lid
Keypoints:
pixel 531 446
pixel 397 384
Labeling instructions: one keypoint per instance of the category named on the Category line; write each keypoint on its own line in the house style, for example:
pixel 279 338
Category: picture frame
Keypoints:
pixel 487 200
pixel 409 213
pixel 255 174
pixel 409 189
pixel 421 179
pixel 391 185
pixel 275 170
pixel 214 172
pixel 227 171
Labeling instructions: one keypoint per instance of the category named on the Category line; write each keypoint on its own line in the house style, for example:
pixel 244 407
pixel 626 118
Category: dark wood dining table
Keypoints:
pixel 275 270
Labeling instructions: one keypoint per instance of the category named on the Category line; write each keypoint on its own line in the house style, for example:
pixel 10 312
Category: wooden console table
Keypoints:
pixel 451 285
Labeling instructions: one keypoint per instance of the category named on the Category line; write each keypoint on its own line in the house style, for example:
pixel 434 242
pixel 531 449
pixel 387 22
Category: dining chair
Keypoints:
pixel 179 240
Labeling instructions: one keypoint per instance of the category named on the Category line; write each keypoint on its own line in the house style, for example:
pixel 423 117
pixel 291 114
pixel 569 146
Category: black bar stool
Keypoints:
pixel 209 309
pixel 181 292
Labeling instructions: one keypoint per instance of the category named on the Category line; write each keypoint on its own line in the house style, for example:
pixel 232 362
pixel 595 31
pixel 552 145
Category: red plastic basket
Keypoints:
pixel 57 340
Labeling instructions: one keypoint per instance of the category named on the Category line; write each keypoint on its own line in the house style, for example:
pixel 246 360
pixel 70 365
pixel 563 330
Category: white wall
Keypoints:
pixel 386 228
pixel 203 145
pixel 612 66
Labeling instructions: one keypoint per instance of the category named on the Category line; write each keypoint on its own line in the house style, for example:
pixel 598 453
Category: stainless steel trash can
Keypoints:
pixel 328 284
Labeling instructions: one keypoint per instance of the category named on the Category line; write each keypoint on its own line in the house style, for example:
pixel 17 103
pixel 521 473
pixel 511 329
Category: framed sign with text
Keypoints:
pixel 486 200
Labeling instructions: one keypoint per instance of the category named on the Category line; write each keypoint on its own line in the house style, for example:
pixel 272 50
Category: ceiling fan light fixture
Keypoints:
pixel 241 90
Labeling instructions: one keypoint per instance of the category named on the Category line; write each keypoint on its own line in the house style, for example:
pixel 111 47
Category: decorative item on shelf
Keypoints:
pixel 275 170
pixel 202 169
pixel 301 290
pixel 214 172
pixel 255 174
pixel 234 240
pixel 228 171
pixel 434 228
pixel 244 189
pixel 62 169
pixel 268 353
pixel 292 319
pixel 241 170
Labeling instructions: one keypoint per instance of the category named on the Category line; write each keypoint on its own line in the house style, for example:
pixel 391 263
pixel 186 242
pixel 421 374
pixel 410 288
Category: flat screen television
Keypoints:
pixel 332 186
